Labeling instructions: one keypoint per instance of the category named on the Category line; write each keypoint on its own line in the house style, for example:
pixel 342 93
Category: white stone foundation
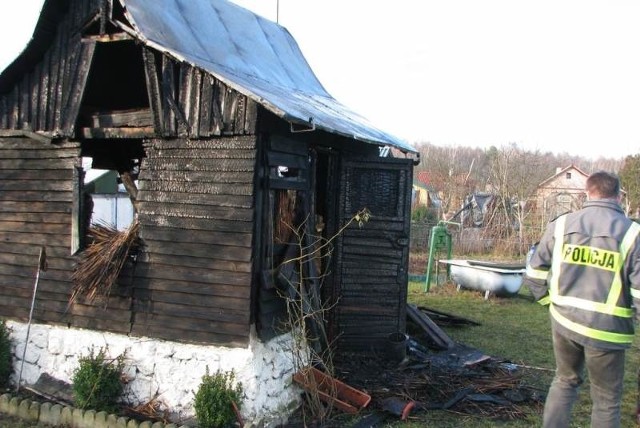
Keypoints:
pixel 168 372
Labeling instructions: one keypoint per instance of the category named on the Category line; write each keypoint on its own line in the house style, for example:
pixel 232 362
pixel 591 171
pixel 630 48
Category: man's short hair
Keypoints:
pixel 603 185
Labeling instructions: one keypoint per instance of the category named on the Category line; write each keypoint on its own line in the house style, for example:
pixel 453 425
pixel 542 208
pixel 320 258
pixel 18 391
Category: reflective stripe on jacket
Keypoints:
pixel 586 257
pixel 586 267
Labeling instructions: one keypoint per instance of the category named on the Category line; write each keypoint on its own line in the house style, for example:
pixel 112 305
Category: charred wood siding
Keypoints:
pixel 36 195
pixel 47 97
pixel 196 211
pixel 188 102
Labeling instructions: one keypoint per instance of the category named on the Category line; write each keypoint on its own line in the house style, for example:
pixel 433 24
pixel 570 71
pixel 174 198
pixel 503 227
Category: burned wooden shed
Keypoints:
pixel 226 142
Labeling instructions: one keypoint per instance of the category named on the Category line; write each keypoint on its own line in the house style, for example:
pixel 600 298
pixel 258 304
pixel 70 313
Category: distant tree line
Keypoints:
pixel 509 171
pixel 512 174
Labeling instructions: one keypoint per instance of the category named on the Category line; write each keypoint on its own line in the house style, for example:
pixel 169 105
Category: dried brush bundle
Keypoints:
pixel 101 262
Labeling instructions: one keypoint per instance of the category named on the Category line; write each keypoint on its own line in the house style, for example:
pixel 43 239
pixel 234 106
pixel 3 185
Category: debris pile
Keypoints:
pixel 437 374
pixel 460 379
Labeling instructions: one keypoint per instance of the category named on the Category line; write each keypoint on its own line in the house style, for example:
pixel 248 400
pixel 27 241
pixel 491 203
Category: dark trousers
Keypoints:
pixel 605 369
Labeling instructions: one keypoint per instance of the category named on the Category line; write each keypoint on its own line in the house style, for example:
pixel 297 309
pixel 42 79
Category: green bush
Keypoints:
pixel 422 214
pixel 215 398
pixel 97 381
pixel 5 354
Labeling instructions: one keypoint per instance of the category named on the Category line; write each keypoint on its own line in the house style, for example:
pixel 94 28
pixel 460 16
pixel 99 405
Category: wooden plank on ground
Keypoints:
pixel 439 337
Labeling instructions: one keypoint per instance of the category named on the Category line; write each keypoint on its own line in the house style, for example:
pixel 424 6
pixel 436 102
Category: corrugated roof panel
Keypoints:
pixel 257 57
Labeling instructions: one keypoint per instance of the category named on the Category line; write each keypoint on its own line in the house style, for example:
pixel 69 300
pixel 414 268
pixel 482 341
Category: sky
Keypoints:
pixel 549 75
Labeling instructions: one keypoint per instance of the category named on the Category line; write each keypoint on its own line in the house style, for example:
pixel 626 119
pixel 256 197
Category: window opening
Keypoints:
pixel 106 187
pixel 105 196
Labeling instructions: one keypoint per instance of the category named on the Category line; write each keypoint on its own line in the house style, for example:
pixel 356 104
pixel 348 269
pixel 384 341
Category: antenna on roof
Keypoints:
pixel 277 11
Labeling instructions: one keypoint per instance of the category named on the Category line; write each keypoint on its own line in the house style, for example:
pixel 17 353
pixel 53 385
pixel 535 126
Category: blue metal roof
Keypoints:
pixel 253 55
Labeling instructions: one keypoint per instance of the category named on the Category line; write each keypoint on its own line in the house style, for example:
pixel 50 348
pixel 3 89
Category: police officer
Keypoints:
pixel 586 267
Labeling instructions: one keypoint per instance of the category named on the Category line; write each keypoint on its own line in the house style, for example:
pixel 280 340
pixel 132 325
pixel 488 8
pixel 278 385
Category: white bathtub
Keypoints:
pixel 500 279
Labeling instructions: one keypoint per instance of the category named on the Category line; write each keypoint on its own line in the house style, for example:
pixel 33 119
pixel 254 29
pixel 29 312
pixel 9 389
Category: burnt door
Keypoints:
pixel 370 282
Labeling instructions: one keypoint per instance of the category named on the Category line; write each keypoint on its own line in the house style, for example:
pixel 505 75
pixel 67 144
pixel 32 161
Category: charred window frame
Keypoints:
pixel 105 168
pixel 288 195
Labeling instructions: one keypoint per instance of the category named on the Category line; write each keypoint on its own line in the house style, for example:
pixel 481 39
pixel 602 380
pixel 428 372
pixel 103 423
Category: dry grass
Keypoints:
pixel 101 262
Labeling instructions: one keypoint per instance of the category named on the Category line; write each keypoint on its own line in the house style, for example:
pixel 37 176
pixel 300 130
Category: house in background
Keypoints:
pixel 447 191
pixel 108 202
pixel 424 194
pixel 562 192
pixel 227 142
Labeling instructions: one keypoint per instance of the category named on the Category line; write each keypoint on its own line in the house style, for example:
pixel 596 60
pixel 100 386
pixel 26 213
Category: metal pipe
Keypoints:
pixel 42 266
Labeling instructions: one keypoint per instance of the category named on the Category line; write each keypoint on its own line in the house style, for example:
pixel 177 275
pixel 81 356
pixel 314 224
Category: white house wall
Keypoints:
pixel 168 372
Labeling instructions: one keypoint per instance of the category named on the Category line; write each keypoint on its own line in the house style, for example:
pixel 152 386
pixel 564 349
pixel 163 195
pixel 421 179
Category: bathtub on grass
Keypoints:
pixel 499 279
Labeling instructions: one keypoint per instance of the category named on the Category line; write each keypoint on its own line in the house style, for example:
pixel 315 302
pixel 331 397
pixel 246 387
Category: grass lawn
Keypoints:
pixel 518 330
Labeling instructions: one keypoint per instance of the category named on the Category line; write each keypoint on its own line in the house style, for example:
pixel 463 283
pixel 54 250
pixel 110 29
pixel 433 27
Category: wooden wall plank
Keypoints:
pixel 198 177
pixel 199 288
pixel 31 252
pixel 25 227
pixel 184 319
pixel 199 188
pixel 251 117
pixel 63 164
pixel 174 234
pixel 194 102
pixel 34 102
pixel 14 112
pixel 33 185
pixel 25 98
pixel 201 199
pixel 187 335
pixel 195 262
pixel 44 85
pixel 50 196
pixel 80 73
pixel 210 153
pixel 35 207
pixel 219 90
pixel 192 223
pixel 220 165
pixel 153 88
pixel 168 97
pixel 229 143
pixel 220 252
pixel 195 211
pixel 184 277
pixel 206 111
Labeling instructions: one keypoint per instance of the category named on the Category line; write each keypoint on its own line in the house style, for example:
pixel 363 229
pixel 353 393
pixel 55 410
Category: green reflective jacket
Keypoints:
pixel 587 268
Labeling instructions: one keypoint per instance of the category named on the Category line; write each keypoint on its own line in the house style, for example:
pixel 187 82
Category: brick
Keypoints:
pixel 112 421
pixel 122 422
pixel 50 414
pixel 4 403
pixel 23 409
pixel 14 403
pixel 78 418
pixel 100 420
pixel 34 411
pixel 66 416
pixel 89 418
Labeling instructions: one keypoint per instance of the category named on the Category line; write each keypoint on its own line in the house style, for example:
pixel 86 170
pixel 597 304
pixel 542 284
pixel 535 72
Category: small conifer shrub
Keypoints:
pixel 97 381
pixel 215 398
